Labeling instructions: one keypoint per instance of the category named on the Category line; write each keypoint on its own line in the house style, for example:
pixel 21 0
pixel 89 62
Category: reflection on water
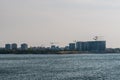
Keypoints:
pixel 60 67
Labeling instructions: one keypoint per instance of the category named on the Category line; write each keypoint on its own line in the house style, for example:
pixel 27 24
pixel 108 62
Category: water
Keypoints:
pixel 60 67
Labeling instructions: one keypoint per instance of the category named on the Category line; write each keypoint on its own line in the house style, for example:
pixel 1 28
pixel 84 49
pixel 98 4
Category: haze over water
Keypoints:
pixel 60 67
pixel 39 22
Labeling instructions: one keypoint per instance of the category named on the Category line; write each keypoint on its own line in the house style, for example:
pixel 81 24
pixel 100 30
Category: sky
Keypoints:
pixel 40 22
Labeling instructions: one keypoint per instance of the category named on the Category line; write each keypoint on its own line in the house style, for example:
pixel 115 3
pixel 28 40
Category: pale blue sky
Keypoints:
pixel 39 22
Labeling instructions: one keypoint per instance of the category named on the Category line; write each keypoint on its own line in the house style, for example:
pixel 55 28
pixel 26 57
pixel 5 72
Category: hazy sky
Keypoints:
pixel 39 22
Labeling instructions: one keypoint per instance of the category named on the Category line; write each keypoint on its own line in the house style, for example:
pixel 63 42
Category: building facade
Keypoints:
pixel 97 46
pixel 14 46
pixel 7 46
pixel 24 46
pixel 91 46
pixel 72 46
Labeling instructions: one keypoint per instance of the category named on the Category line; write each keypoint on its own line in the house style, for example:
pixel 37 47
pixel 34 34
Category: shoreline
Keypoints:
pixel 53 52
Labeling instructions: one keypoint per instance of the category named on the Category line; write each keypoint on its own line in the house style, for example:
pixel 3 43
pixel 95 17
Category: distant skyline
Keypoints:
pixel 39 22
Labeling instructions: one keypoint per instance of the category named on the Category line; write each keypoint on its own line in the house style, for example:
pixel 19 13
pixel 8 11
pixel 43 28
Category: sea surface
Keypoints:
pixel 60 67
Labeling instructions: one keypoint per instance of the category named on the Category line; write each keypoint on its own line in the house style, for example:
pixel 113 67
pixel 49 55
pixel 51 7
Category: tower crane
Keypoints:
pixel 96 38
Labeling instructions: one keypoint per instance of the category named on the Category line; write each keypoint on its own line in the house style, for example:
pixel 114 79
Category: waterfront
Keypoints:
pixel 60 67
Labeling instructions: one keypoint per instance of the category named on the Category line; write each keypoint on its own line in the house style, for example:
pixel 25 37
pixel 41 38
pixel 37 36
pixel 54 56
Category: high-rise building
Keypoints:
pixel 24 46
pixel 97 46
pixel 82 46
pixel 7 46
pixel 91 46
pixel 14 46
pixel 71 46
pixel 79 46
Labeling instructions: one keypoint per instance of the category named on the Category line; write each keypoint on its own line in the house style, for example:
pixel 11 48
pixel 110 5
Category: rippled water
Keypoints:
pixel 60 67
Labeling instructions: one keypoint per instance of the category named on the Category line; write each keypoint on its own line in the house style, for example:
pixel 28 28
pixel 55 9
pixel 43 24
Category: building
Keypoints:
pixel 97 46
pixel 14 46
pixel 82 46
pixel 24 46
pixel 66 48
pixel 53 47
pixel 7 46
pixel 91 46
pixel 71 46
pixel 79 46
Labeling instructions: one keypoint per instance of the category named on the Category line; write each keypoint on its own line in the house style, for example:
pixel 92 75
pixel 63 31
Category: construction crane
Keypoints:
pixel 96 38
pixel 53 43
pixel 75 41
